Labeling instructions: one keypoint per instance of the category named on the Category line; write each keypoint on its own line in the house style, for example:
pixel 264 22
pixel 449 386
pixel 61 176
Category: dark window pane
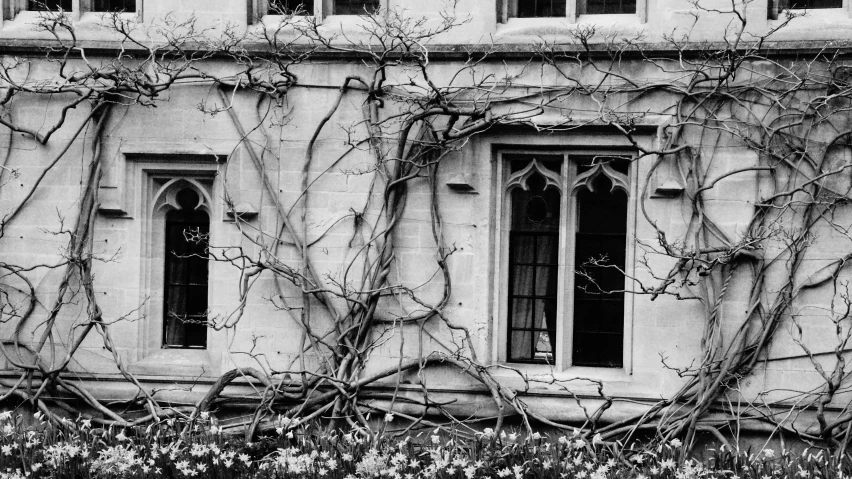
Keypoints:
pixel 521 286
pixel 533 270
pixel 815 4
pixel 598 349
pixel 600 246
pixel 114 6
pixel 48 5
pixel 186 264
pixel 355 7
pixel 596 7
pixel 541 8
pixel 278 7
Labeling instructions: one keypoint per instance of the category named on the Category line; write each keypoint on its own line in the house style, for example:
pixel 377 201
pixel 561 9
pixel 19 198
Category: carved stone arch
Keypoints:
pixel 520 178
pixel 586 180
pixel 165 198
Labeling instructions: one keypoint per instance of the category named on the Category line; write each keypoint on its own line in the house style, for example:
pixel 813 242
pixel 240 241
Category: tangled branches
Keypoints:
pixel 373 320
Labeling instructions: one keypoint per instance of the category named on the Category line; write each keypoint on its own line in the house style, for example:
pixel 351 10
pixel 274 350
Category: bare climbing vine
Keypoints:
pixel 793 116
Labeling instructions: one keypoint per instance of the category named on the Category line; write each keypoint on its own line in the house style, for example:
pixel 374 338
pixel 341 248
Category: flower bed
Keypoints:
pixel 197 448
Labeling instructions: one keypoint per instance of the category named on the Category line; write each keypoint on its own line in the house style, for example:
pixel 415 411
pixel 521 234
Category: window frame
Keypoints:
pixel 774 9
pixel 169 257
pixel 322 9
pixel 566 261
pixel 573 10
pixel 163 188
pixel 78 8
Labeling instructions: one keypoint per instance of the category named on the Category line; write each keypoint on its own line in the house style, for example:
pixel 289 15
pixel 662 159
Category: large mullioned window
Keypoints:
pixel 327 7
pixel 565 8
pixel 567 242
pixel 105 6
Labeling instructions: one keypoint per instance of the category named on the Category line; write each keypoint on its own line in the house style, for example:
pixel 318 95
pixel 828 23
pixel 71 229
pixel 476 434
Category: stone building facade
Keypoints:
pixel 182 165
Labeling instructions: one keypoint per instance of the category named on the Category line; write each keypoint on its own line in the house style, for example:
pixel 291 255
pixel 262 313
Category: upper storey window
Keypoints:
pixel 319 8
pixel 777 6
pixel 114 5
pixel 98 6
pixel 809 4
pixel 540 8
pixel 49 5
pixel 354 7
pixel 302 7
pixel 566 8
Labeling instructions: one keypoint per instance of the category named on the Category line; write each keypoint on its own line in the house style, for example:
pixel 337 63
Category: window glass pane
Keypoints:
pixel 48 5
pixel 600 245
pixel 355 7
pixel 277 7
pixel 815 4
pixel 533 270
pixel 541 8
pixel 595 7
pixel 114 5
pixel 521 284
pixel 186 280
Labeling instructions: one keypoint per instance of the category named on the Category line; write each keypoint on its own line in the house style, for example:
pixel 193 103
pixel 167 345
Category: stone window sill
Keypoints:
pixel 175 362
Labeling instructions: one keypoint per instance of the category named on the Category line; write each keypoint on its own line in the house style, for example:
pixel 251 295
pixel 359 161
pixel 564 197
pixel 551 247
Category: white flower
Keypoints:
pixel 769 453
pixel 676 443
pixel 436 439
pixel 120 436
pixel 597 439
pixel 389 417
pixel 245 458
pixel 228 463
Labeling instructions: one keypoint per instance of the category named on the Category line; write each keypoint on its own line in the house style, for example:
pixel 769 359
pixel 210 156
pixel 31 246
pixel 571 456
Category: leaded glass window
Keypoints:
pixel 186 281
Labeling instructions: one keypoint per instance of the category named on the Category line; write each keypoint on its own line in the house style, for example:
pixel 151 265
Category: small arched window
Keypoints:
pixel 186 283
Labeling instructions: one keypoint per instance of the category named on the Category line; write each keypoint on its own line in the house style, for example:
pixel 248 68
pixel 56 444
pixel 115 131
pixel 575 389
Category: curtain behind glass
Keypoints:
pixel 533 273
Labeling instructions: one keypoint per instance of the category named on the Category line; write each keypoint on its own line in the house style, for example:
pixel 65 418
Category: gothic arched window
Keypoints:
pixel 186 281
pixel 567 216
